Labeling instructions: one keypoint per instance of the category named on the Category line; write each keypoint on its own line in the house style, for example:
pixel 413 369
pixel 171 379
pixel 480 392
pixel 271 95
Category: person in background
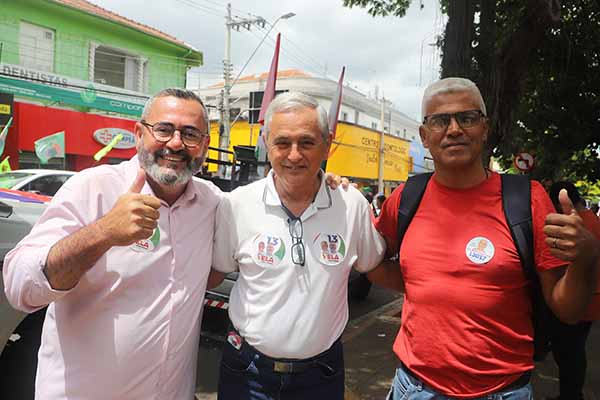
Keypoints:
pixel 378 203
pixel 569 341
pixel 596 209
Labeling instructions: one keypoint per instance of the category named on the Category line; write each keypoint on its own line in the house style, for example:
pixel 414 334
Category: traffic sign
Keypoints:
pixel 524 161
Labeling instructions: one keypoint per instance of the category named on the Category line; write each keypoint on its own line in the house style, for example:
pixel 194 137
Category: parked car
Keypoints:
pixel 39 181
pixel 18 213
pixel 19 332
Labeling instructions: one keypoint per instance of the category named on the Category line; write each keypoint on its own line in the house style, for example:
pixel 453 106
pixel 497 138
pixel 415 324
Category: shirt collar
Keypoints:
pixel 322 199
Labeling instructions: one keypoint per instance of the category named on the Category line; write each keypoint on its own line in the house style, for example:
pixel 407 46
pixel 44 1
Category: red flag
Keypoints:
pixel 269 93
pixel 336 103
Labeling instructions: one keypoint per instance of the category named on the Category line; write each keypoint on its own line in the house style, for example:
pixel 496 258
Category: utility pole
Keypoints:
pixel 225 117
pixel 245 23
pixel 381 146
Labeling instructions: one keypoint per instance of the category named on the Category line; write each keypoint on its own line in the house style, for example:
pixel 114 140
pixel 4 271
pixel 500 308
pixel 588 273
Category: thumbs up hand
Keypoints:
pixel 133 217
pixel 565 203
pixel 138 182
pixel 566 235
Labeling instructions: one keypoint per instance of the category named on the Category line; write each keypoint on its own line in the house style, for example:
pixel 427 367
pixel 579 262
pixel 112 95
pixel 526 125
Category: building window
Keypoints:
pixel 356 115
pixel 36 47
pixel 344 116
pixel 116 67
pixel 374 125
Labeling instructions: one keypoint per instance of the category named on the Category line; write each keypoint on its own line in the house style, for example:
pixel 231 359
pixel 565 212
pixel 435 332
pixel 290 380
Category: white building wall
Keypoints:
pixel 369 109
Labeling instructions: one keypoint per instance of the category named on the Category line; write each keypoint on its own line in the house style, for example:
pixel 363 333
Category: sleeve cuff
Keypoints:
pixel 41 293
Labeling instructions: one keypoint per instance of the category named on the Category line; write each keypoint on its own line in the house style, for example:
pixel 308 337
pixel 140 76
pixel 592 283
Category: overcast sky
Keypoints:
pixel 393 54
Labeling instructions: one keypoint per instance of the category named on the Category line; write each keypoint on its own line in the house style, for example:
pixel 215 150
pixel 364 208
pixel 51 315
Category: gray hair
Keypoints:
pixel 452 85
pixel 180 94
pixel 292 101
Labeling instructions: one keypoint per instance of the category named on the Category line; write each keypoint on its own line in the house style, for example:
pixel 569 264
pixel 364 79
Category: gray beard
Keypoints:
pixel 163 174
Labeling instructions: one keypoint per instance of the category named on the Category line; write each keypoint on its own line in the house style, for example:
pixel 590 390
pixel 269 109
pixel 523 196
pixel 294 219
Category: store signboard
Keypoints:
pixel 6 107
pixel 24 82
pixel 355 152
pixel 105 135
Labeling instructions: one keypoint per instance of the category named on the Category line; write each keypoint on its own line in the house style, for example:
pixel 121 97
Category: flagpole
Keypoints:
pixel 334 111
pixel 268 96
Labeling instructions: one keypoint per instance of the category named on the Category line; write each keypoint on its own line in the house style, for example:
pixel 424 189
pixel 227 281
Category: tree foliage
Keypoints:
pixel 537 65
pixel 558 117
pixel 381 8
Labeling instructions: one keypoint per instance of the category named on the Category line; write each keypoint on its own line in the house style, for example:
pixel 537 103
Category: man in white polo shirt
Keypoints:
pixel 293 241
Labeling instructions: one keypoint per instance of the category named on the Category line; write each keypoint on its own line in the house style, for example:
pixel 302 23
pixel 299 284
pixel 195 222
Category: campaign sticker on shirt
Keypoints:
pixel 330 247
pixel 480 250
pixel 268 250
pixel 147 245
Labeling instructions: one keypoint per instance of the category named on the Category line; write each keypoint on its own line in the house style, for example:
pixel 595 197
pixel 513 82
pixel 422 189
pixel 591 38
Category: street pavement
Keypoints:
pixel 370 362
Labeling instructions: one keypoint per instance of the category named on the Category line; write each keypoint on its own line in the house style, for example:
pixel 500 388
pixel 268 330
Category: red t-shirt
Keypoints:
pixel 466 321
pixel 592 223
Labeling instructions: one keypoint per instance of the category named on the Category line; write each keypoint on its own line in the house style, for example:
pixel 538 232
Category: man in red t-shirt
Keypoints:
pixel 466 323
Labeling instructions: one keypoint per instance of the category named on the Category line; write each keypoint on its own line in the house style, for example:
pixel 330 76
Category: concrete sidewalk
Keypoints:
pixel 368 356
pixel 370 362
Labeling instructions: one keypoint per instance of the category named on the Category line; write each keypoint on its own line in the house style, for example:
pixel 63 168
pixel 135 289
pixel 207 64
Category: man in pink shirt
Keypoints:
pixel 121 257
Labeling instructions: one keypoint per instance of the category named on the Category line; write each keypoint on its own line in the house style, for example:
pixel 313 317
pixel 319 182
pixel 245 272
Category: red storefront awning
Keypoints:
pixel 33 122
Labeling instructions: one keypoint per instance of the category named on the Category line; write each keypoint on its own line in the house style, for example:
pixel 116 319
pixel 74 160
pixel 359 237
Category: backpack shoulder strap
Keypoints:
pixel 516 202
pixel 409 202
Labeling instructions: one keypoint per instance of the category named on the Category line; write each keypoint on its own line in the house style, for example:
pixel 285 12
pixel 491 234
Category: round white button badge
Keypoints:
pixel 147 245
pixel 330 247
pixel 268 250
pixel 480 250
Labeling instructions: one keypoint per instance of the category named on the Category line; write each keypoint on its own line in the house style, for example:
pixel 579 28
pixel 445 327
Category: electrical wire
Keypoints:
pixel 303 53
pixel 68 51
pixel 205 9
pixel 305 65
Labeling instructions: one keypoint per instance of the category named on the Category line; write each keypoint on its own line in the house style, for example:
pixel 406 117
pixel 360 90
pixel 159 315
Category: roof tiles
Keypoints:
pixel 98 11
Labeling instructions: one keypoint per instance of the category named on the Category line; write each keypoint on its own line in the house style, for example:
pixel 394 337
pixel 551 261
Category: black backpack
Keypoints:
pixel 516 202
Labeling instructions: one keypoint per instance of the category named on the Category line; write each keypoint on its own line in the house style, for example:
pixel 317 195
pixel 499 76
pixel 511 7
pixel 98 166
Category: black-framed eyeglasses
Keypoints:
pixel 296 232
pixel 464 119
pixel 164 131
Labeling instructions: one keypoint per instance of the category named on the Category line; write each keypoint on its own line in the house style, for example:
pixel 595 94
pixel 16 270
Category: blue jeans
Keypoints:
pixel 247 374
pixel 408 387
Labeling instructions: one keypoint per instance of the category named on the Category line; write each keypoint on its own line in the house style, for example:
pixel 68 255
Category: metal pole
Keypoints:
pixel 224 138
pixel 381 146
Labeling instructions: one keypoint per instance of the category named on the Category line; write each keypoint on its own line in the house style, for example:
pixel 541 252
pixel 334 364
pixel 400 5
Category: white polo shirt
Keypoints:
pixel 282 309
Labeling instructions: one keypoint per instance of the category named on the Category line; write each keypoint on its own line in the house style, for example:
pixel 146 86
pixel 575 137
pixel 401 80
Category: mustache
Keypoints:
pixel 167 152
pixel 454 143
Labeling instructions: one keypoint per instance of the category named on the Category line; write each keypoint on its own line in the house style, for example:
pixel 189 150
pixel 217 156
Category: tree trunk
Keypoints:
pixel 511 65
pixel 456 52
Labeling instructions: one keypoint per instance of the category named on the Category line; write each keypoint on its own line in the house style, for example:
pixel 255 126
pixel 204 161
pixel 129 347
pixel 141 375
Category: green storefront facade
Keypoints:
pixel 77 33
pixel 73 55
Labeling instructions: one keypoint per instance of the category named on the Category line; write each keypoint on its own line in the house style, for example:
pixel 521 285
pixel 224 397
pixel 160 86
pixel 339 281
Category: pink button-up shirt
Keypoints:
pixel 129 329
